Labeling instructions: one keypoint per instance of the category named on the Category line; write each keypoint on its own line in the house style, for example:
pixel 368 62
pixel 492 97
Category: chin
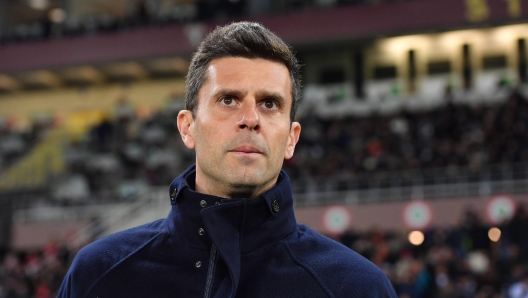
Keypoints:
pixel 244 181
pixel 249 179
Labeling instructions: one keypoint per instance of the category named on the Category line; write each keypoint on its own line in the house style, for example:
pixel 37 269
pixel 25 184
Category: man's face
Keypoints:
pixel 241 130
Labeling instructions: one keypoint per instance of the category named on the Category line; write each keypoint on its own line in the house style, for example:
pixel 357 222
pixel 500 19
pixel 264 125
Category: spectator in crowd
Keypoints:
pixel 450 136
pixel 520 288
pixel 34 274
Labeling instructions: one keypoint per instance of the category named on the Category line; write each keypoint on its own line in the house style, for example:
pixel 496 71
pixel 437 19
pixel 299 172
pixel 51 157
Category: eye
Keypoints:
pixel 270 104
pixel 227 101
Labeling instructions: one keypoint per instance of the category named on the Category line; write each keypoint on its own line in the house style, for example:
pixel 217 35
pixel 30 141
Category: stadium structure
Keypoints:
pixel 413 152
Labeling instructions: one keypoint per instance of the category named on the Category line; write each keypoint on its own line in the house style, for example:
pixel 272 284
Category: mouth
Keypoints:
pixel 246 150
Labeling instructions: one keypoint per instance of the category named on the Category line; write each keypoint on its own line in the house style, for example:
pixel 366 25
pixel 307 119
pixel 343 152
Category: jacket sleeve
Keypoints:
pixel 338 268
pixel 85 271
pixel 380 287
pixel 65 290
pixel 76 284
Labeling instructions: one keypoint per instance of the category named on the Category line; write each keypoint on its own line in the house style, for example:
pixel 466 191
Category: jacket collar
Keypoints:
pixel 253 223
pixel 234 226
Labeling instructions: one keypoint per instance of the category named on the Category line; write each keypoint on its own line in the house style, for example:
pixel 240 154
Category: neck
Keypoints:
pixel 231 191
pixel 237 191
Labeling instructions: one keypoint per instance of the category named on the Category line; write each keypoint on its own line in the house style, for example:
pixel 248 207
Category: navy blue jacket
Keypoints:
pixel 214 247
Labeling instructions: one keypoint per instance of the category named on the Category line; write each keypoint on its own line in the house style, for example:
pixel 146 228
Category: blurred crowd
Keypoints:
pixel 455 262
pixel 34 274
pixel 126 153
pixel 452 135
pixel 159 12
pixel 15 143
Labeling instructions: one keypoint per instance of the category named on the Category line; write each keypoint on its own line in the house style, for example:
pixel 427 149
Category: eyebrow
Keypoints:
pixel 231 92
pixel 273 95
pixel 260 94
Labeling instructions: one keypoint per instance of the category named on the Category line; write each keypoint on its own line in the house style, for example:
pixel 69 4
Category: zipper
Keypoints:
pixel 210 272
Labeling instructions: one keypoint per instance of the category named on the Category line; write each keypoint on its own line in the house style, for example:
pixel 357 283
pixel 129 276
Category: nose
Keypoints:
pixel 250 117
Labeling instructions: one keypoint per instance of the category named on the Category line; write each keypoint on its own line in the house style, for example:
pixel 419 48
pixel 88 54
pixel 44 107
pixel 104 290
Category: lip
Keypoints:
pixel 246 150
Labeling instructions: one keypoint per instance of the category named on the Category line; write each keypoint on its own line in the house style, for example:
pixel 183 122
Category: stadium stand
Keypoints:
pixel 474 140
pixel 124 15
pixel 448 121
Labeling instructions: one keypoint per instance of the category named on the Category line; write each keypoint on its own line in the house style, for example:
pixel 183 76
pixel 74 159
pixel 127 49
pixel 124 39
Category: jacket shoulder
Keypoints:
pixel 96 259
pixel 339 269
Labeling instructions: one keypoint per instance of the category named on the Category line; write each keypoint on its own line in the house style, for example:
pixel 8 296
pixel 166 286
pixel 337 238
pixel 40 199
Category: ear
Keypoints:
pixel 184 122
pixel 293 138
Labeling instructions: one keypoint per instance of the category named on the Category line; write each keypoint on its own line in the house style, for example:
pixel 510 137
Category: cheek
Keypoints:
pixel 281 144
pixel 209 139
pixel 203 131
pixel 199 138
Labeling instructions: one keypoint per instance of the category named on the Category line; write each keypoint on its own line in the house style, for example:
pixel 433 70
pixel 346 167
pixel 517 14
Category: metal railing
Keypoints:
pixel 349 190
pixel 343 189
pixel 427 192
pixel 403 185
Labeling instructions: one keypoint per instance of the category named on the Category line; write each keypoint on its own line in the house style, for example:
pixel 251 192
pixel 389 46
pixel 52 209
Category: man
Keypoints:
pixel 231 231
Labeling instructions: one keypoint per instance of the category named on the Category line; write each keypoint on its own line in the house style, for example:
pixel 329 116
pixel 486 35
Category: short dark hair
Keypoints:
pixel 246 40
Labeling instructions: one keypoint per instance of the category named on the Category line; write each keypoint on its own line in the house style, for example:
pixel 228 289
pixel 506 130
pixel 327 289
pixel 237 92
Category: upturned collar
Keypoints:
pixel 232 224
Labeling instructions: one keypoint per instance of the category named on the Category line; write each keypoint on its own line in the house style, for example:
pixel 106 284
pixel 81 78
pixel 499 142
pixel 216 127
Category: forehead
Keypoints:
pixel 247 74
